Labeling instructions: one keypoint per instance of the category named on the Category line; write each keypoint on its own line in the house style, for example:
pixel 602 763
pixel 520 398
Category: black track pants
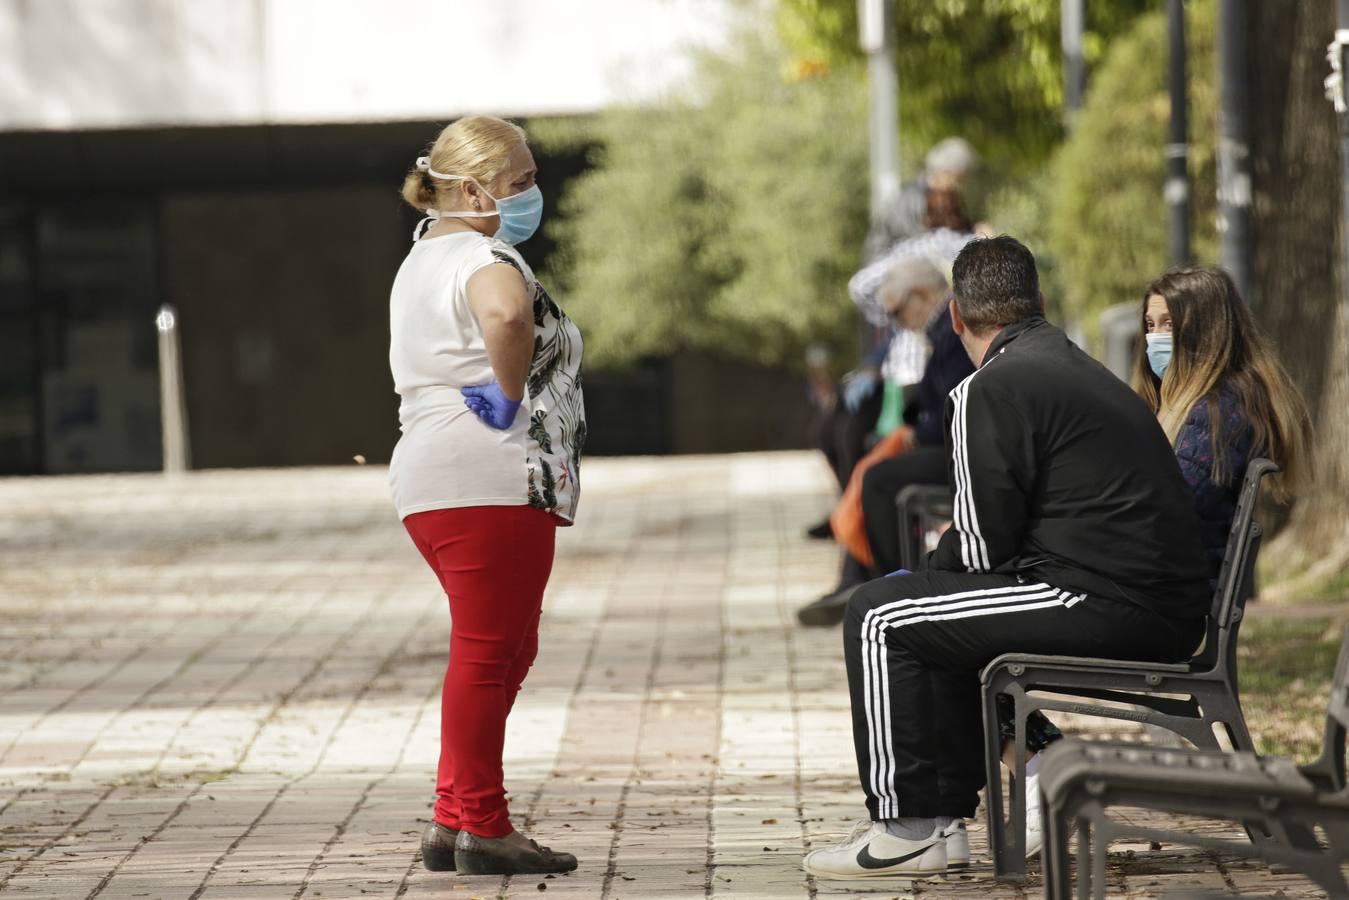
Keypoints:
pixel 915 644
pixel 881 485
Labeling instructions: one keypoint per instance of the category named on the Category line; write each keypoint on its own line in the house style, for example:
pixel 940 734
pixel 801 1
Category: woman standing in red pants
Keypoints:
pixel 492 420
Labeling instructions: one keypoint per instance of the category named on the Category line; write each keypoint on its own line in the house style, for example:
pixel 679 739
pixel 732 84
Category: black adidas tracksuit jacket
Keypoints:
pixel 1045 449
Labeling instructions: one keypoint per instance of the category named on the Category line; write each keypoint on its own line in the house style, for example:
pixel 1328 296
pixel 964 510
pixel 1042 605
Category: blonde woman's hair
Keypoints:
pixel 474 146
pixel 1217 345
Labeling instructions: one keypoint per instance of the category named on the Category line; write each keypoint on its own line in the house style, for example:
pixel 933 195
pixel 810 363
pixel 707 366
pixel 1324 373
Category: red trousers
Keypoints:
pixel 493 562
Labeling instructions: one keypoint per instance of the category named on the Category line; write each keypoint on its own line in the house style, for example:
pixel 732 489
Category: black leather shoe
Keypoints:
pixel 475 855
pixel 821 531
pixel 828 610
pixel 438 847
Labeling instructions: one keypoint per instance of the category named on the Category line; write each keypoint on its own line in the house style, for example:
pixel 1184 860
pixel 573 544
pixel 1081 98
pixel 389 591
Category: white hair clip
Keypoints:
pixel 424 165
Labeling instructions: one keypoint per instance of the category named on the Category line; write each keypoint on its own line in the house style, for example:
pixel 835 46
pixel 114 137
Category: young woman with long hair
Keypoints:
pixel 1222 397
pixel 1219 392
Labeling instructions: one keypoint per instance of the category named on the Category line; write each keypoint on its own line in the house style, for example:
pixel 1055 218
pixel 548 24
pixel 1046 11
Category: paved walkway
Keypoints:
pixel 226 686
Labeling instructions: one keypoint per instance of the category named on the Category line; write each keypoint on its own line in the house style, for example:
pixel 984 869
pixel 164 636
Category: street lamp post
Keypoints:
pixel 877 39
pixel 1177 148
pixel 1234 152
pixel 1072 18
pixel 1341 46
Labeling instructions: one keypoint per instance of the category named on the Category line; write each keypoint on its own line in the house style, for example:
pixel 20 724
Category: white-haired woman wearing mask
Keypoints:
pixel 492 420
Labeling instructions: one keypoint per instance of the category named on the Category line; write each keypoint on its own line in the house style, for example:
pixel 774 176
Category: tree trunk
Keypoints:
pixel 1298 271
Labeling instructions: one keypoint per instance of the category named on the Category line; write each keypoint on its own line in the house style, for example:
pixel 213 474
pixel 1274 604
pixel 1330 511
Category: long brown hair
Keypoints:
pixel 1217 345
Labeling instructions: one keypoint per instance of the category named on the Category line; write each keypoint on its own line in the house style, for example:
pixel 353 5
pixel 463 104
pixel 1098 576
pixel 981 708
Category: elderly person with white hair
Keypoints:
pixel 925 460
pixel 913 297
pixel 928 219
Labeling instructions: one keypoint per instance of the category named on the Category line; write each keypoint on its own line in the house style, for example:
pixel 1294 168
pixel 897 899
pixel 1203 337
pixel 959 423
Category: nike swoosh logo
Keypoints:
pixel 867 861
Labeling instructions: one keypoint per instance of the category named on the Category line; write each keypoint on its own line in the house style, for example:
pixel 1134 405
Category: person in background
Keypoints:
pixel 925 462
pixel 1223 398
pixel 1220 393
pixel 488 369
pixel 947 228
pixel 868 394
pixel 843 430
pixel 952 165
pixel 915 296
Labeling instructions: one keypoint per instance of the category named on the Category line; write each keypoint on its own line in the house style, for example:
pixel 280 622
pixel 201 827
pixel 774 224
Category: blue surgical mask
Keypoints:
pixel 1159 352
pixel 520 213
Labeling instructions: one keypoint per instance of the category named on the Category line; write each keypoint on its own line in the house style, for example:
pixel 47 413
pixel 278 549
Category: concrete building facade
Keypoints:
pixel 241 161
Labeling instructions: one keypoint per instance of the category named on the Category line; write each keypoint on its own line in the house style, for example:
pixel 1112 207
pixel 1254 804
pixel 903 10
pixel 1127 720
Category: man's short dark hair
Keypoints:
pixel 995 283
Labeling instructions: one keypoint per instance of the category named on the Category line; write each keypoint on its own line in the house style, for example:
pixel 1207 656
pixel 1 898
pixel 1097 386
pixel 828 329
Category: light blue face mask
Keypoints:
pixel 520 213
pixel 1159 352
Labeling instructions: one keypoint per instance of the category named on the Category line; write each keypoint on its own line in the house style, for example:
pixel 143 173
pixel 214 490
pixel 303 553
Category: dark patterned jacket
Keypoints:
pixel 1215 501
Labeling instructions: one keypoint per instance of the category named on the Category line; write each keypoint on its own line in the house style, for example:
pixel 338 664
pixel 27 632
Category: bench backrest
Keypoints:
pixel 1236 579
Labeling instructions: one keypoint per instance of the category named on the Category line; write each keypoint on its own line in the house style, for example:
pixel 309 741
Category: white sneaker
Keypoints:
pixel 957 845
pixel 1035 834
pixel 872 852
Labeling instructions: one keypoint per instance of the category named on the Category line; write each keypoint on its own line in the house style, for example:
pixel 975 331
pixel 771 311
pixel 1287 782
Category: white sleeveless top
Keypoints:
pixel 448 457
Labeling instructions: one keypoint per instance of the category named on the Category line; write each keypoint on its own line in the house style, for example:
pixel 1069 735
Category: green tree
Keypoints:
pixel 730 219
pixel 989 70
pixel 1298 280
pixel 729 222
pixel 1107 222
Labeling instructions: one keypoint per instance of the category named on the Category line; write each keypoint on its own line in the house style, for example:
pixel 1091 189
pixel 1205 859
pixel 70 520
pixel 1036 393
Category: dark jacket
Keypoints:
pixel 1061 472
pixel 948 365
pixel 1215 502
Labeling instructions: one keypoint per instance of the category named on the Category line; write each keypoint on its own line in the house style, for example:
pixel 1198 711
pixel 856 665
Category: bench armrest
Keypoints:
pixel 1080 664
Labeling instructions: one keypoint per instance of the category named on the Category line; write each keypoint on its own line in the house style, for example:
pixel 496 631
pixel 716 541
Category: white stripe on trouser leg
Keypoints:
pixel 868 704
pixel 875 669
pixel 898 611
pixel 876 683
pixel 942 600
pixel 877 697
pixel 879 716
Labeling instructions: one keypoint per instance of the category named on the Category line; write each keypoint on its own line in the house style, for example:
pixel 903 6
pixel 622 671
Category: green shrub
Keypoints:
pixel 1107 222
pixel 990 70
pixel 727 221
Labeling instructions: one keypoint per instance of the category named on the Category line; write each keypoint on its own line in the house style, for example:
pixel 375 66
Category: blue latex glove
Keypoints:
pixel 857 387
pixel 899 572
pixel 490 404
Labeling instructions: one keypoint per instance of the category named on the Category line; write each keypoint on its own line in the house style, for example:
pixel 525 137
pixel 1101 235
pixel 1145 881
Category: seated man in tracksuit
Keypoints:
pixel 1074 533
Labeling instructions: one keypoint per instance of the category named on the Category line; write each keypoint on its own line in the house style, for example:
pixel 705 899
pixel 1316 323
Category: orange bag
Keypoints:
pixel 846 519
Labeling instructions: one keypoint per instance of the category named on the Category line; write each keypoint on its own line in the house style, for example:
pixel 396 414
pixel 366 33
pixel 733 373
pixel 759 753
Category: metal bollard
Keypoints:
pixel 1120 332
pixel 172 406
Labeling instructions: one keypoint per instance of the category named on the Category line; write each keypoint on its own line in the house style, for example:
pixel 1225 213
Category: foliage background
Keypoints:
pixel 1106 222
pixel 729 218
pixel 989 70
